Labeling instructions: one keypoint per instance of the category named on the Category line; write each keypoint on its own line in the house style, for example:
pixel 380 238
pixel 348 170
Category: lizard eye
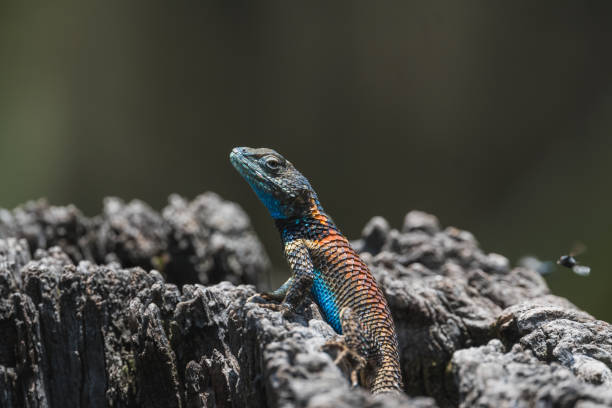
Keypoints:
pixel 272 163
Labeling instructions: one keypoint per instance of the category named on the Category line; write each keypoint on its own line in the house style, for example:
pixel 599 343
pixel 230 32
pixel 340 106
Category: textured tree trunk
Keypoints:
pixel 83 324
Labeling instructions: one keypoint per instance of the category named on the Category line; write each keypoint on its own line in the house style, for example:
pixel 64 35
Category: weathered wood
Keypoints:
pixel 472 330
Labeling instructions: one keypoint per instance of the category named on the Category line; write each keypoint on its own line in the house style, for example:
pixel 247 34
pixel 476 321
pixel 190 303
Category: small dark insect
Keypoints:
pixel 569 261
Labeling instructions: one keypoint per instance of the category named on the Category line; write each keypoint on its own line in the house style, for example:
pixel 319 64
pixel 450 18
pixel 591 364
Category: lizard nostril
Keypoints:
pixel 237 152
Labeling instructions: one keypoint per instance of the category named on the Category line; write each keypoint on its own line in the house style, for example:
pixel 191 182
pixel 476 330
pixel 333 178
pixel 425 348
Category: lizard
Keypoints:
pixel 324 264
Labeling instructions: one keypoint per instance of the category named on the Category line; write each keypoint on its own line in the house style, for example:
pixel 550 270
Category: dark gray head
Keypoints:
pixel 284 190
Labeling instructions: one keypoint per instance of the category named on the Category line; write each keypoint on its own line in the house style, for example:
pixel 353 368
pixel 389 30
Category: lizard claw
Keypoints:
pixel 265 296
pixel 284 309
pixel 272 296
pixel 348 356
pixel 251 299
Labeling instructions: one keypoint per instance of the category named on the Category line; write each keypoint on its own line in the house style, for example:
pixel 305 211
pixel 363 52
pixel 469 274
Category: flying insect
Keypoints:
pixel 569 261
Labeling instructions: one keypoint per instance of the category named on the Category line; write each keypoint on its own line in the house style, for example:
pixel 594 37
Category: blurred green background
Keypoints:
pixel 495 116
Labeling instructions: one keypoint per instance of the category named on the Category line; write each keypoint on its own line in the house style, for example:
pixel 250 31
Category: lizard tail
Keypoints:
pixel 387 377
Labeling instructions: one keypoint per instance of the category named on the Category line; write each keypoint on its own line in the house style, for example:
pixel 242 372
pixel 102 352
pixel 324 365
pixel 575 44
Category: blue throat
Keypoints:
pixel 272 204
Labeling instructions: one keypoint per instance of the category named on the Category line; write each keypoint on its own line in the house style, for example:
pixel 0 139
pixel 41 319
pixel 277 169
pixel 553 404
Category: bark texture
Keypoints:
pixel 207 240
pixel 84 324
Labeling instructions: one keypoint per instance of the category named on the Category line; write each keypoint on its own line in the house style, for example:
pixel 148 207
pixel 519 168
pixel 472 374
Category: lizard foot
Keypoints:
pixel 284 309
pixel 264 296
pixel 348 356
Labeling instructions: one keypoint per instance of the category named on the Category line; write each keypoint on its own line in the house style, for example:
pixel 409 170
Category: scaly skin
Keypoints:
pixel 324 263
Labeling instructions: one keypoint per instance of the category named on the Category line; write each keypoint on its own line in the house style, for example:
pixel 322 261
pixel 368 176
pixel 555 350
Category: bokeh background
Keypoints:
pixel 495 116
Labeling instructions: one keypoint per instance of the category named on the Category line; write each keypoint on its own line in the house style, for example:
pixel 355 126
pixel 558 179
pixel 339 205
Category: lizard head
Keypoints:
pixel 283 190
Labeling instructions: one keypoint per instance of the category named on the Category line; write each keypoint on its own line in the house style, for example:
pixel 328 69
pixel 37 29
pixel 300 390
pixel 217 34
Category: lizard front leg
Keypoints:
pixel 278 294
pixel 295 289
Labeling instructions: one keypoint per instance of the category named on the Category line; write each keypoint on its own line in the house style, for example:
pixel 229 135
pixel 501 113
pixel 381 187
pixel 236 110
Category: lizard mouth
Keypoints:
pixel 246 166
